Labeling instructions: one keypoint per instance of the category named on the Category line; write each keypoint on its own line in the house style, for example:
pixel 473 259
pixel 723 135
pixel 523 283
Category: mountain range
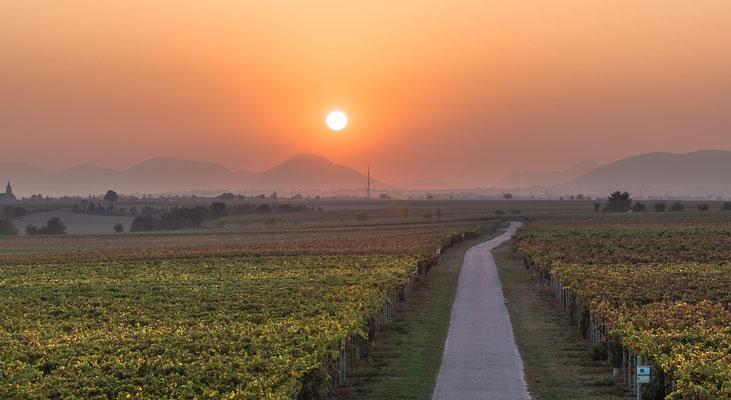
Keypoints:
pixel 547 178
pixel 166 175
pixel 699 173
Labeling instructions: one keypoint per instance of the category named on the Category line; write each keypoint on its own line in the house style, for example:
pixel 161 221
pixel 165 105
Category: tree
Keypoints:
pixel 619 202
pixel 119 228
pixel 218 208
pixel 263 209
pixel 7 227
pixel 639 207
pixel 597 206
pixel 273 196
pixel 659 207
pixel 580 196
pixel 507 196
pixel 145 223
pixel 384 196
pixel 111 196
pixel 182 218
pixel 226 196
pixel 703 207
pixel 677 206
pixel 726 206
pixel 54 226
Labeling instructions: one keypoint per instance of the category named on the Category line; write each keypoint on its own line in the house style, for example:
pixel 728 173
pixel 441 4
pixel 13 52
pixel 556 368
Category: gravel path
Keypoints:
pixel 481 360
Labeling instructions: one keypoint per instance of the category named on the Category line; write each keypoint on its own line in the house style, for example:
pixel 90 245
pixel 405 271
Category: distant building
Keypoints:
pixel 8 195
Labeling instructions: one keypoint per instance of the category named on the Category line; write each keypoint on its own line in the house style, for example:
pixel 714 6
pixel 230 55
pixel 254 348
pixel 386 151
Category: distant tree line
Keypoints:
pixel 193 217
pixel 575 197
pixel 622 202
pixel 7 215
pixel 89 207
pixel 10 212
pixel 54 226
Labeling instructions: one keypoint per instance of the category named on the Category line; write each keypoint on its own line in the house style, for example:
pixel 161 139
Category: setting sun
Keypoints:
pixel 337 120
pixel 177 222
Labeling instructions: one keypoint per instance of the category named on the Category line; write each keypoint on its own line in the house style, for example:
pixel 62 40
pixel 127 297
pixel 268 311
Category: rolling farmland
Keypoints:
pixel 656 289
pixel 157 316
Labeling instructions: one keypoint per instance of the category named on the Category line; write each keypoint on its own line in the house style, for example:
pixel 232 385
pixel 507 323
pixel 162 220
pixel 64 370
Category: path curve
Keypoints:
pixel 480 359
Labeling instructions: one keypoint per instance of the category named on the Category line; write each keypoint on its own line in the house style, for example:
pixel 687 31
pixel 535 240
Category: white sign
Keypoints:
pixel 643 374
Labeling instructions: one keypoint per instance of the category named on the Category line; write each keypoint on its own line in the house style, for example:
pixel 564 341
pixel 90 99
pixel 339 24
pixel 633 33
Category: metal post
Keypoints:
pixel 639 362
pixel 632 370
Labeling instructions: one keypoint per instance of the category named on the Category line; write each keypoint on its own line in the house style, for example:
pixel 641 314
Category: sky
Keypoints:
pixel 464 91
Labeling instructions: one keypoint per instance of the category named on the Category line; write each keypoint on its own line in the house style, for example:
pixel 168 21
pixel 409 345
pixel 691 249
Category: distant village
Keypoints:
pixel 8 195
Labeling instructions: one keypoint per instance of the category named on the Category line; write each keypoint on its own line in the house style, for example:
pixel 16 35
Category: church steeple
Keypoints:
pixel 8 189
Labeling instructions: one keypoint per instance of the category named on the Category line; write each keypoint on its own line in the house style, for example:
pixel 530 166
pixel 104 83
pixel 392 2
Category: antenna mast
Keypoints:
pixel 369 179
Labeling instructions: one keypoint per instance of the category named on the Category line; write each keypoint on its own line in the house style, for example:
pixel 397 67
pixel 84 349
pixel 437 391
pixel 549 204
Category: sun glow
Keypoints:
pixel 337 120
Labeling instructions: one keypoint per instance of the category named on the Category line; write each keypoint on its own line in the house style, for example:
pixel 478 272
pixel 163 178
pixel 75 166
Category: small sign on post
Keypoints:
pixel 643 374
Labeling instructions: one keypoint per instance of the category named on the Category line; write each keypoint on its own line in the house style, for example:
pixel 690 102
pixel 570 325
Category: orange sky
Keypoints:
pixel 466 91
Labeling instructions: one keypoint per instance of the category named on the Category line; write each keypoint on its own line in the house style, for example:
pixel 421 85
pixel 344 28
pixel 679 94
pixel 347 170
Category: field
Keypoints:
pixel 262 311
pixel 275 306
pixel 655 288
pixel 249 327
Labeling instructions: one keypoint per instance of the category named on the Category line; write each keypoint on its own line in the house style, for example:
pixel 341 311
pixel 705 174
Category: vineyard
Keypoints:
pixel 260 320
pixel 661 291
pixel 406 244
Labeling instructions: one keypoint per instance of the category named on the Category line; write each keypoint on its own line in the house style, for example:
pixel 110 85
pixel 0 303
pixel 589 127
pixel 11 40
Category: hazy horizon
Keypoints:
pixel 268 164
pixel 248 85
pixel 694 174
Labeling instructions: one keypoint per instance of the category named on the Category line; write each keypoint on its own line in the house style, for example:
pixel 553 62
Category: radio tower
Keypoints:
pixel 369 179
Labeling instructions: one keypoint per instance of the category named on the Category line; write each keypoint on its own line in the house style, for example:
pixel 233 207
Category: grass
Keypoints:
pixel 557 360
pixel 406 356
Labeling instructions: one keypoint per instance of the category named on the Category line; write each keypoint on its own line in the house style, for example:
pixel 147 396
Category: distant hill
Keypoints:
pixel 171 175
pixel 310 171
pixel 547 178
pixel 161 175
pixel 700 173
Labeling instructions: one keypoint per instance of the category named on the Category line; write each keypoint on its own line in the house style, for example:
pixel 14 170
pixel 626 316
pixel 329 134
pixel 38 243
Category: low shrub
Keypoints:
pixel 7 227
pixel 677 206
